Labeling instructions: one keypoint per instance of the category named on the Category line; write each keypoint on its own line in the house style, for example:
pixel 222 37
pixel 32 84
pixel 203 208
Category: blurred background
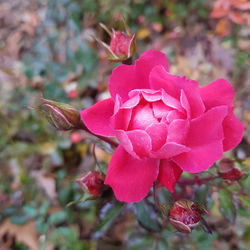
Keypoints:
pixel 47 47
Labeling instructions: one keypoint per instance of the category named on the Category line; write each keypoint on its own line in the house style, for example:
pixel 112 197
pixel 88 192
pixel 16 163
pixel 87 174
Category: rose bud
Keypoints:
pixel 93 182
pixel 122 45
pixel 61 115
pixel 185 215
pixel 228 171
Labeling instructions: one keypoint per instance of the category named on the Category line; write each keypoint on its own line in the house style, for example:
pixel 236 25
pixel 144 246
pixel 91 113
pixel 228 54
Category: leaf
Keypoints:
pixel 245 200
pixel 227 207
pixel 223 27
pixel 57 217
pixel 147 216
pixel 108 213
pixel 25 234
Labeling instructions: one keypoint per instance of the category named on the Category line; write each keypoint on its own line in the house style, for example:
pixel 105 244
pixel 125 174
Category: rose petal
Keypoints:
pixel 141 142
pixel 130 178
pixel 158 134
pixel 123 138
pixel 97 118
pixel 160 79
pixel 205 138
pixel 171 101
pixel 173 115
pixel 142 117
pixel 233 131
pixel 207 128
pixel 160 109
pixel 125 78
pixel 132 102
pixel 200 158
pixel 147 61
pixel 177 131
pixel 219 92
pixel 122 119
pixel 169 149
pixel 169 173
pixel 185 103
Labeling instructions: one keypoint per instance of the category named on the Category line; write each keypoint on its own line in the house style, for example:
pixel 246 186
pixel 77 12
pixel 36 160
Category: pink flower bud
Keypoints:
pixel 228 171
pixel 122 45
pixel 61 115
pixel 93 182
pixel 185 215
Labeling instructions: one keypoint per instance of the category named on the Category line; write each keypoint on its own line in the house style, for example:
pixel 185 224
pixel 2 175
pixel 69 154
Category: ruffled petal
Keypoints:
pixel 233 131
pixel 200 158
pixel 141 142
pixel 158 134
pixel 160 79
pixel 219 92
pixel 125 78
pixel 130 178
pixel 168 150
pixel 207 128
pixel 205 138
pixel 142 117
pixel 169 173
pixel 97 118
pixel 177 131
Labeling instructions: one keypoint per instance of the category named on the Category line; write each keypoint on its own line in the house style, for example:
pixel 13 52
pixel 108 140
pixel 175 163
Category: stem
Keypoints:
pixel 196 180
pixel 96 161
pixel 103 138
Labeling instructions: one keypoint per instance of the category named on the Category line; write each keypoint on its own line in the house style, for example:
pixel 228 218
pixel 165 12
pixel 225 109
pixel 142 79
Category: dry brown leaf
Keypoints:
pixel 25 234
pixel 223 27
pixel 47 183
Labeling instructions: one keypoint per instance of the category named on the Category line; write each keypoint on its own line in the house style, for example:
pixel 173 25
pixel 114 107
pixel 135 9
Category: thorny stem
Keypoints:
pixel 196 180
pixel 103 138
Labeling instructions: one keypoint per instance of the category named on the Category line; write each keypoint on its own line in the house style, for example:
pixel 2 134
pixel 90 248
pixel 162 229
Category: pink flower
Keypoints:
pixel 165 124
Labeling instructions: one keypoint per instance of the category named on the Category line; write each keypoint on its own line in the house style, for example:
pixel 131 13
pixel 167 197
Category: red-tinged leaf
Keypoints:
pixel 219 12
pixel 237 17
pixel 241 4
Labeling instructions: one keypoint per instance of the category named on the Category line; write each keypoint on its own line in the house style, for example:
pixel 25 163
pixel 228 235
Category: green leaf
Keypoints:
pixel 30 211
pixel 57 217
pixel 227 207
pixel 147 216
pixel 18 219
pixel 245 200
pixel 113 210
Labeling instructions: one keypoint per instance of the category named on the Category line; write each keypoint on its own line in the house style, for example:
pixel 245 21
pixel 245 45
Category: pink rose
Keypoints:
pixel 165 124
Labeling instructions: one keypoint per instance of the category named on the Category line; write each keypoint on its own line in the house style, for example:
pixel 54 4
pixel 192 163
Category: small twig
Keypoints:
pixel 96 161
pixel 196 180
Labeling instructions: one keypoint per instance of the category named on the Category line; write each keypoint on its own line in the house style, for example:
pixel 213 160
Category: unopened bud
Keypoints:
pixel 122 45
pixel 61 115
pixel 228 171
pixel 93 182
pixel 185 215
